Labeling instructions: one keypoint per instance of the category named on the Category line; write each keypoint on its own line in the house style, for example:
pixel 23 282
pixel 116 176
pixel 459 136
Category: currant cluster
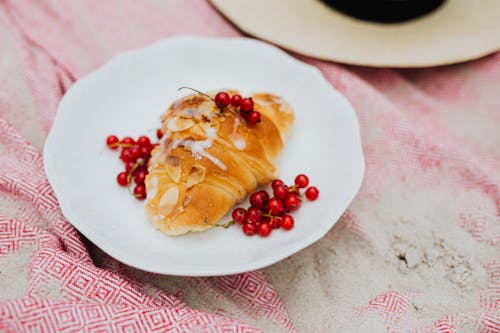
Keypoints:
pixel 135 155
pixel 245 105
pixel 266 214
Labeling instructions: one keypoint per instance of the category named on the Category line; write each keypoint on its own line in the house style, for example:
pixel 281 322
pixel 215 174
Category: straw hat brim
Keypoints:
pixel 457 31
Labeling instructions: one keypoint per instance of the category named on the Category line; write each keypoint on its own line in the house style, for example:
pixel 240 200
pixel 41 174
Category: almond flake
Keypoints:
pixel 196 175
pixel 177 124
pixel 173 168
pixel 168 201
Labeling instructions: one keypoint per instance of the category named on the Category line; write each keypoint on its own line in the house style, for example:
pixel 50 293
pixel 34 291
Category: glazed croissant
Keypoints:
pixel 210 158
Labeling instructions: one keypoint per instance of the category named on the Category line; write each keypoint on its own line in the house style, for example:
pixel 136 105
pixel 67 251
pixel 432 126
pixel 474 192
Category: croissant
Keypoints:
pixel 210 158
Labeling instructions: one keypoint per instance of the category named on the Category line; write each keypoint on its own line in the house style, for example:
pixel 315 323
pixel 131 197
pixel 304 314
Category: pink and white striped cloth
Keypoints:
pixel 431 139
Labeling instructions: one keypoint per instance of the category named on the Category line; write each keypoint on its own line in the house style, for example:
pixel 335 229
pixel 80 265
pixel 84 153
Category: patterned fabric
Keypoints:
pixel 417 251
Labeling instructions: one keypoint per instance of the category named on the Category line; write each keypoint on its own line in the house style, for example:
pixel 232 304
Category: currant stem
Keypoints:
pixel 123 145
pixel 136 166
pixel 270 215
pixel 201 93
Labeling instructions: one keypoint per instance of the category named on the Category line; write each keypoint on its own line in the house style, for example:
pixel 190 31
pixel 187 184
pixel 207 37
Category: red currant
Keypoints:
pixel 264 219
pixel 125 155
pixel 140 192
pixel 146 150
pixel 238 215
pixel 112 142
pixel 128 141
pixel 135 153
pixel 143 141
pixel 253 117
pixel 253 215
pixel 159 134
pixel 141 166
pixel 312 193
pixel 249 229
pixel 122 178
pixel 280 191
pixel 259 199
pixel 140 176
pixel 222 99
pixel 292 203
pixel 301 181
pixel 277 182
pixel 275 206
pixel 246 104
pixel 274 222
pixel 236 100
pixel 265 229
pixel 287 222
pixel 129 165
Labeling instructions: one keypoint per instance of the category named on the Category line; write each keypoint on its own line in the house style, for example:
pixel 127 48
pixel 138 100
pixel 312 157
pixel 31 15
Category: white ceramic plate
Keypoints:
pixel 127 96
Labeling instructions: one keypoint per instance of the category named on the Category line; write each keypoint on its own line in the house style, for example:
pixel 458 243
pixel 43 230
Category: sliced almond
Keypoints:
pixel 213 123
pixel 177 124
pixel 196 175
pixel 187 200
pixel 173 168
pixel 168 201
pixel 177 212
pixel 198 130
pixel 189 112
pixel 206 108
